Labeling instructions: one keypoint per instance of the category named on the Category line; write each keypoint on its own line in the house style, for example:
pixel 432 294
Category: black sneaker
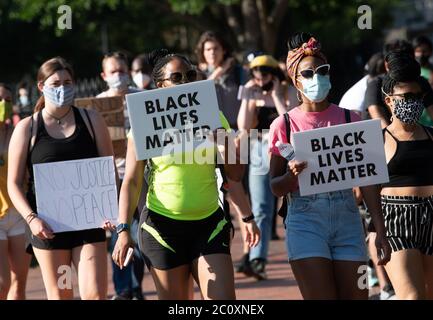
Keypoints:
pixel 122 296
pixel 240 266
pixel 258 267
pixel 138 296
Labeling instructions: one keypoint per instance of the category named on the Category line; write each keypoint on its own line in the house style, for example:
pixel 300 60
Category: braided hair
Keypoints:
pixel 159 59
pixel 402 68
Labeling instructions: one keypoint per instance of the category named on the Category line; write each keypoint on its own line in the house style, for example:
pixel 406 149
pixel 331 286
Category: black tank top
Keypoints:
pixel 411 164
pixel 80 145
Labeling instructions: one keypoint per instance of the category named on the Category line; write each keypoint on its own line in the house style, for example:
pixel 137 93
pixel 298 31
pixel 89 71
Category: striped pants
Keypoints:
pixel 409 222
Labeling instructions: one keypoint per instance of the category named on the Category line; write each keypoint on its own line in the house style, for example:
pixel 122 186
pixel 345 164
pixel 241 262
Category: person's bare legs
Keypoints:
pixel 405 269
pixel 428 275
pixel 90 260
pixel 347 280
pixel 19 262
pixel 315 277
pixel 50 261
pixel 215 276
pixel 382 276
pixel 5 275
pixel 173 284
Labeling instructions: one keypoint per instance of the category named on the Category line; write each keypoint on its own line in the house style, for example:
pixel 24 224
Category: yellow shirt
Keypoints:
pixel 184 191
pixel 5 201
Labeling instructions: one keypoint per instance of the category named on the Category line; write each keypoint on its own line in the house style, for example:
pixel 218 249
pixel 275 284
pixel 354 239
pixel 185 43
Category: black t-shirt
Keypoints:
pixel 373 95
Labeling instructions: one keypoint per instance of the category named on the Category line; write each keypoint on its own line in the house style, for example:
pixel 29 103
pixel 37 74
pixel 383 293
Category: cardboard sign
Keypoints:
pixel 112 110
pixel 341 157
pixel 163 119
pixel 77 194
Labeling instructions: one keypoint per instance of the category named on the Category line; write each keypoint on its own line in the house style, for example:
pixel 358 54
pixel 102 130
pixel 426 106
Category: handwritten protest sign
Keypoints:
pixel 112 110
pixel 77 194
pixel 341 157
pixel 172 116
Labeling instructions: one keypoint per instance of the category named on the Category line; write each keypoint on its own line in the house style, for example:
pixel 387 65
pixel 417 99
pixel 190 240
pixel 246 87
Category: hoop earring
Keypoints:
pixel 298 96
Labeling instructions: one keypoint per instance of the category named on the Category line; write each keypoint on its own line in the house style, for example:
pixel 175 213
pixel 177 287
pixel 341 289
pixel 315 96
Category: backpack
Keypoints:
pixel 282 212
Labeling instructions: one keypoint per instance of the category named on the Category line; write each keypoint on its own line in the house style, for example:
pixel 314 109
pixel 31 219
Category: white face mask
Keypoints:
pixel 62 96
pixel 118 82
pixel 141 80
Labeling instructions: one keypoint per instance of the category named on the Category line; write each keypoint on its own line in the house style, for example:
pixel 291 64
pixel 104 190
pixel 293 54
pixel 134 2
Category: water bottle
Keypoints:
pixel 286 150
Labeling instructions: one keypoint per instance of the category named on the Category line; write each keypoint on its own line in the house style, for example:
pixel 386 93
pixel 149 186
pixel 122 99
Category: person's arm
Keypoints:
pixel 222 69
pixel 247 111
pixel 371 197
pixel 17 158
pixel 243 207
pixel 128 200
pixel 228 154
pixel 283 175
pixel 278 97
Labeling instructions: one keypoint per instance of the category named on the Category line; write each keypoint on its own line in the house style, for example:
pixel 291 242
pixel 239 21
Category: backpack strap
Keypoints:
pixel 347 115
pixel 287 121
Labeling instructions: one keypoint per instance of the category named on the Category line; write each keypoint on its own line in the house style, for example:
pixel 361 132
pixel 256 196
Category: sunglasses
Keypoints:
pixel 179 77
pixel 409 95
pixel 322 70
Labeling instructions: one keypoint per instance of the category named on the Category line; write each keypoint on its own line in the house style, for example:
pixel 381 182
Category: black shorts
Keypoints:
pixel 67 240
pixel 167 243
pixel 409 222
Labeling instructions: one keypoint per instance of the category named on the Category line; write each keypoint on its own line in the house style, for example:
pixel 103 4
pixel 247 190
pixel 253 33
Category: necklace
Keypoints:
pixel 58 119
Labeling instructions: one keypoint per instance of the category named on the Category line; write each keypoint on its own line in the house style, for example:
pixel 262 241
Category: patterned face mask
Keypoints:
pixel 408 111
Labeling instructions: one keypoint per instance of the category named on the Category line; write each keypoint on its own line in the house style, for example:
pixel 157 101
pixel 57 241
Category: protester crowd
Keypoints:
pixel 177 218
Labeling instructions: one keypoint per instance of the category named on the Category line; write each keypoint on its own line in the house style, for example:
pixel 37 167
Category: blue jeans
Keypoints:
pixel 325 225
pixel 128 280
pixel 262 199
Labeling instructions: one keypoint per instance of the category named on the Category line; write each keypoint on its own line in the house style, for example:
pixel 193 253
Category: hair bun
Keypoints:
pixel 402 67
pixel 156 55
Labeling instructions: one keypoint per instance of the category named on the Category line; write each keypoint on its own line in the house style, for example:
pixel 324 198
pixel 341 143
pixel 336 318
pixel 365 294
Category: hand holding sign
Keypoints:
pixel 41 229
pixel 297 167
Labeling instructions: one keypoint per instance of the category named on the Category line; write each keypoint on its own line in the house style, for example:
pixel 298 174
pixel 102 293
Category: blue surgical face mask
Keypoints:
pixel 118 81
pixel 316 89
pixel 61 96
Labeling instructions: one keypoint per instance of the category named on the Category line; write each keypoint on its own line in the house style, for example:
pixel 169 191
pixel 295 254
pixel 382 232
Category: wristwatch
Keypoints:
pixel 122 227
pixel 248 219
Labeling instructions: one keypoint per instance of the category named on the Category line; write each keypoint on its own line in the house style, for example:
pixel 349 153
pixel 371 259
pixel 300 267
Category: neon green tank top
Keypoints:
pixel 184 191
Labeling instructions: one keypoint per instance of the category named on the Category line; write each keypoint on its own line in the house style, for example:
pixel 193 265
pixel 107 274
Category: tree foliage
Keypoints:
pixel 29 27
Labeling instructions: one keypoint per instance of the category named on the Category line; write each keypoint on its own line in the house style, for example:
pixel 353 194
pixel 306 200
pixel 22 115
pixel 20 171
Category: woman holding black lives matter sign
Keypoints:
pixel 184 232
pixel 324 234
pixel 58 131
pixel 407 199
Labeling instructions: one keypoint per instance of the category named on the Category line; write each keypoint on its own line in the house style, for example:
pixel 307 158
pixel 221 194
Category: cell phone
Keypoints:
pixel 128 257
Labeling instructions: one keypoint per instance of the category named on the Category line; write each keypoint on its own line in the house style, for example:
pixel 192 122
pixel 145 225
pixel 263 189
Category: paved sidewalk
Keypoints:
pixel 280 285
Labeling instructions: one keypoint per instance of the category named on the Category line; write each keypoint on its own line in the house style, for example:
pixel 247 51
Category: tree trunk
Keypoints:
pixel 252 32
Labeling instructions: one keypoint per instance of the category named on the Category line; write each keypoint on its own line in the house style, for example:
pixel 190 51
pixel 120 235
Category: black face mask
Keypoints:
pixel 422 60
pixel 268 86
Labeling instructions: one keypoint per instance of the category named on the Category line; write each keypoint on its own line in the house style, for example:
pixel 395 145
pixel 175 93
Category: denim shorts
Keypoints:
pixel 325 225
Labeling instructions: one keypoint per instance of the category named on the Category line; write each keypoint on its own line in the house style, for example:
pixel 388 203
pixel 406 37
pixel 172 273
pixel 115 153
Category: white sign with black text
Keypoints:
pixel 169 117
pixel 341 157
pixel 77 194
